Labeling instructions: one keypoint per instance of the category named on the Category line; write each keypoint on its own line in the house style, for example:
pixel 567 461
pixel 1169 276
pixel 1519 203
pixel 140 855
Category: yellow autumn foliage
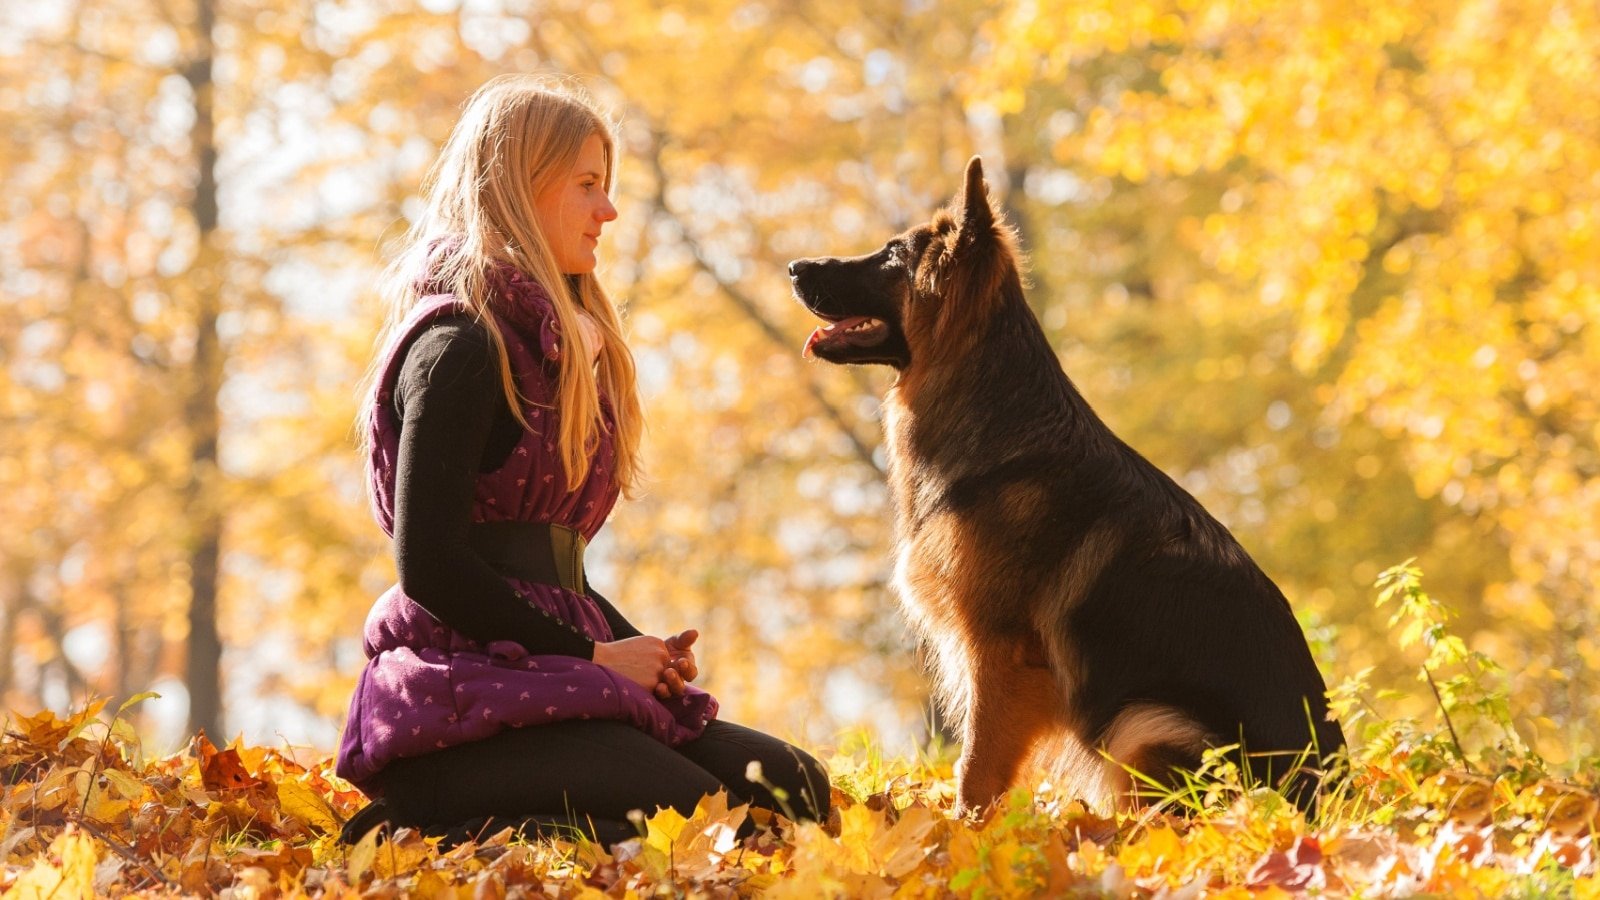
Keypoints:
pixel 1336 266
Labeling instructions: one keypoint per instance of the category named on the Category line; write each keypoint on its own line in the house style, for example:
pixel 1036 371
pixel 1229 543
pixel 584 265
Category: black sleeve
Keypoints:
pixel 620 626
pixel 448 396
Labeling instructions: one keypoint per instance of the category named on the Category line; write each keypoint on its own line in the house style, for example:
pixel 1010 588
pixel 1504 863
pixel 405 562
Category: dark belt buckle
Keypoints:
pixel 568 545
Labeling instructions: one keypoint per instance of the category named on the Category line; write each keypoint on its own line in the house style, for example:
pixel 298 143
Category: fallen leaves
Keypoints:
pixel 66 869
pixel 1297 869
pixel 83 814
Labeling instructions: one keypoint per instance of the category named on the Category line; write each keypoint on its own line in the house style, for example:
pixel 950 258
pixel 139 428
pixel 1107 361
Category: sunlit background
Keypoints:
pixel 1333 265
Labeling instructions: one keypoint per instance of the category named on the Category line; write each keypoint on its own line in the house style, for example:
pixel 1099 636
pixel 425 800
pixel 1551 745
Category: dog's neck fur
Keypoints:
pixel 931 450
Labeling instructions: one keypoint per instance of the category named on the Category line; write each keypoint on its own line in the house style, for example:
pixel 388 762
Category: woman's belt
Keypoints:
pixel 540 552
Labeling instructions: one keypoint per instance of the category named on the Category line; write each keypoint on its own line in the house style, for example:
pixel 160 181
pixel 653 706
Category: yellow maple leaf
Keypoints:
pixel 66 871
pixel 708 836
pixel 126 786
pixel 1158 851
pixel 903 847
pixel 81 720
pixel 101 807
pixel 359 861
pixel 858 827
pixel 402 853
pixel 301 801
pixel 663 828
pixel 431 885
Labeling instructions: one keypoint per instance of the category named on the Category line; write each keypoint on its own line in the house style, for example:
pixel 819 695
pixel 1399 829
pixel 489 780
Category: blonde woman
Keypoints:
pixel 503 423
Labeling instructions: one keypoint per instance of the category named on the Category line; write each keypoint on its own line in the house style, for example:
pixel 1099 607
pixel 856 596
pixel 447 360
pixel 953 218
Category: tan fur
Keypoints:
pixel 1076 576
pixel 1001 688
pixel 1074 768
pixel 1012 707
pixel 1008 696
pixel 928 574
pixel 1022 501
pixel 1140 729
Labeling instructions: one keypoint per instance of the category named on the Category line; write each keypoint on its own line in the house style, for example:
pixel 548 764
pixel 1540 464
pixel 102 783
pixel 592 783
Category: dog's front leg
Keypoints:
pixel 1013 705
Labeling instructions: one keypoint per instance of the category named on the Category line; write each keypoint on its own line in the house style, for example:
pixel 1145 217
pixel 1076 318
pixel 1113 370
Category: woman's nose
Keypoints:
pixel 607 211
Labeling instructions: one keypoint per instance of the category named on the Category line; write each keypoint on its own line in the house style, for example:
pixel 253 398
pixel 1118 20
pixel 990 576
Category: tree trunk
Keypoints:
pixel 203 515
pixel 10 608
pixel 122 637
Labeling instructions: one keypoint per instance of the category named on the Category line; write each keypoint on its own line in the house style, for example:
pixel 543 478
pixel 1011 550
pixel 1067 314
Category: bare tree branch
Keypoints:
pixel 747 305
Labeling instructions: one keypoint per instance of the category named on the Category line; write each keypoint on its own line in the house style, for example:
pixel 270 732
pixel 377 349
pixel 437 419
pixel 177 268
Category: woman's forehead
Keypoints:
pixel 592 155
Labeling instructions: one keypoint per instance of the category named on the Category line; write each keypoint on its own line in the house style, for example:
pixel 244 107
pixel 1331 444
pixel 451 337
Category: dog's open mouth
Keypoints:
pixel 854 331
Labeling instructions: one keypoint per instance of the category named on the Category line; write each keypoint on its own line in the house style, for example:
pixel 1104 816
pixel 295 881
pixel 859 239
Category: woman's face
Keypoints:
pixel 573 208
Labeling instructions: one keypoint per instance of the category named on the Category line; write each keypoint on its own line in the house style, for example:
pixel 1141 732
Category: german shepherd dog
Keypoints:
pixel 1082 610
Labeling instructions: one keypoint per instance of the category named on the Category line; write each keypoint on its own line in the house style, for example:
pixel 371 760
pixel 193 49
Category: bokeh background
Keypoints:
pixel 1334 264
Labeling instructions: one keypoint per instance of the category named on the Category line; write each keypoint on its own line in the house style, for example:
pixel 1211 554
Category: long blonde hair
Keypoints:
pixel 517 135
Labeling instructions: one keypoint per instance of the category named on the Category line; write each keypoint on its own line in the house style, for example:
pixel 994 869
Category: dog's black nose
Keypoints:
pixel 795 265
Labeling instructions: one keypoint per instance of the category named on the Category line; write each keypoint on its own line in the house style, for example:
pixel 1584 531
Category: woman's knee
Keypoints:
pixel 811 785
pixel 786 779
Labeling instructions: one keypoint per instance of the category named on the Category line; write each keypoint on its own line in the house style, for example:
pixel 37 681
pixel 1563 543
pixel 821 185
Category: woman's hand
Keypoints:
pixel 641 659
pixel 681 668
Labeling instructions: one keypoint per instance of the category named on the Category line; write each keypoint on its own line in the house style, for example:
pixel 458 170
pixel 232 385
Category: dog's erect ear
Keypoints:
pixel 975 211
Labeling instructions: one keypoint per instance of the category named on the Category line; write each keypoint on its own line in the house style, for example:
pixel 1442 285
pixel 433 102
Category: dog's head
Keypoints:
pixel 927 290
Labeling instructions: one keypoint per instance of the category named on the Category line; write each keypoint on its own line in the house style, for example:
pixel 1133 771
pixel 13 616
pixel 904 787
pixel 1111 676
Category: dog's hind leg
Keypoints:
pixel 1013 705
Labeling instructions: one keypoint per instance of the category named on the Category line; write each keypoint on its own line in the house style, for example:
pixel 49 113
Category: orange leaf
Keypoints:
pixel 289 860
pixel 1298 869
pixel 222 770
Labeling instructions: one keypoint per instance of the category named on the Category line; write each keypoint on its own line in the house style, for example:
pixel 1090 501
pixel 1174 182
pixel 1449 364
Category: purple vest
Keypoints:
pixel 426 687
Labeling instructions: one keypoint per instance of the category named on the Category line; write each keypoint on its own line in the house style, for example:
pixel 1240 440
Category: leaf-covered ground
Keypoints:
pixel 84 813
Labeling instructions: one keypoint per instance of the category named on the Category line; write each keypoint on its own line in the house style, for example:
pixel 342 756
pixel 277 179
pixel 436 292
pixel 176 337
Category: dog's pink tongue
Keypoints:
pixel 829 330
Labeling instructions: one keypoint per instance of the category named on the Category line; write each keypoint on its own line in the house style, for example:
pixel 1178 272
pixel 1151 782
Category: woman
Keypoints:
pixel 503 422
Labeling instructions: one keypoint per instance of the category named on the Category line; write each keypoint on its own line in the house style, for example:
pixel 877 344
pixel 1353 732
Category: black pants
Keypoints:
pixel 589 775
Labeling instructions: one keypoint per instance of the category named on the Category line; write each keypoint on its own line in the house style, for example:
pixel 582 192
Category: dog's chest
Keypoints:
pixel 956 570
pixel 913 483
pixel 938 568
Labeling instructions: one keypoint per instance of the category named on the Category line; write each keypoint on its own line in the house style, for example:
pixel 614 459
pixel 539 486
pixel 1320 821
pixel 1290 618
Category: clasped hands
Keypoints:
pixel 663 667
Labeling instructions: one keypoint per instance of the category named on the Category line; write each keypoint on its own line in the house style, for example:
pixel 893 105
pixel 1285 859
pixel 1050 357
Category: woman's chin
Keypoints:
pixel 584 265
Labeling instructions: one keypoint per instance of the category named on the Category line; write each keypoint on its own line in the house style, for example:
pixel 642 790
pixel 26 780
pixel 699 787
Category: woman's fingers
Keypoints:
pixel 643 659
pixel 671 684
pixel 664 666
pixel 683 656
pixel 686 667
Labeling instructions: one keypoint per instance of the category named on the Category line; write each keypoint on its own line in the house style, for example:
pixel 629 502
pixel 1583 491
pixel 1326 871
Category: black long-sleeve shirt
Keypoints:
pixel 455 424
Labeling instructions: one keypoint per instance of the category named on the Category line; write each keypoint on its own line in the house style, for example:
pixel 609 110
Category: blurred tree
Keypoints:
pixel 199 500
pixel 1331 267
pixel 142 333
pixel 1375 226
